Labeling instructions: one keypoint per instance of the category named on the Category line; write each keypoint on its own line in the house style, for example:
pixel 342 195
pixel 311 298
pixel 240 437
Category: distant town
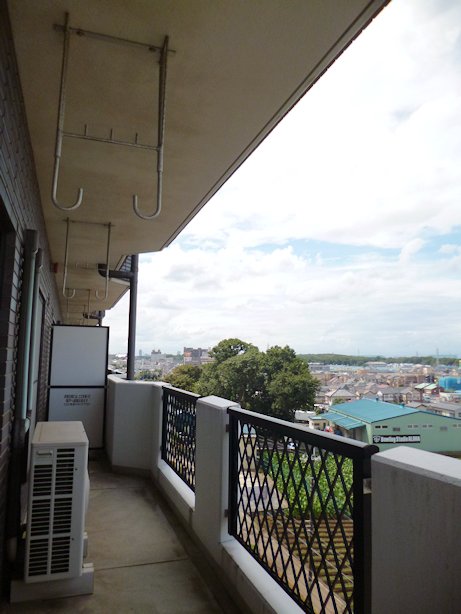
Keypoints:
pixel 435 383
pixel 157 364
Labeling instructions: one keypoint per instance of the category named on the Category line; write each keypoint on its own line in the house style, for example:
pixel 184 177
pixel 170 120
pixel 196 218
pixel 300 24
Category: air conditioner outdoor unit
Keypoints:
pixel 58 498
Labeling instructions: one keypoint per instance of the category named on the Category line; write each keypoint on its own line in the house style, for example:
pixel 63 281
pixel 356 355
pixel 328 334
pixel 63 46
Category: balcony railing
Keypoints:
pixel 178 433
pixel 287 520
pixel 298 506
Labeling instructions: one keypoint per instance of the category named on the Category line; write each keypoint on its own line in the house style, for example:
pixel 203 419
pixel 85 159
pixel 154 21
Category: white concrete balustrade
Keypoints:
pixel 416 505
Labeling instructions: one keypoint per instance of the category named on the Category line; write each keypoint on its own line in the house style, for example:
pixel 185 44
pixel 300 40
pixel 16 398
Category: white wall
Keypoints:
pixel 129 423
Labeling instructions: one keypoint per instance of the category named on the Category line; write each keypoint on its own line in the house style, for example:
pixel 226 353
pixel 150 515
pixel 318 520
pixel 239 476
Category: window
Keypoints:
pixel 396 429
pixel 443 428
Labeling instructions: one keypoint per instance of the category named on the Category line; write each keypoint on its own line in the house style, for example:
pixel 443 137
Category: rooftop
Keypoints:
pixel 373 411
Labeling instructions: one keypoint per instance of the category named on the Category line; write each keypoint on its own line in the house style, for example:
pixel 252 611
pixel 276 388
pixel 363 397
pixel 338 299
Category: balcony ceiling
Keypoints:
pixel 237 68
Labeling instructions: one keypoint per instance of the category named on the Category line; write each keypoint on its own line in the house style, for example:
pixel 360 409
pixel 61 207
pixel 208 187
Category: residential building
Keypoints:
pixel 196 356
pixel 388 425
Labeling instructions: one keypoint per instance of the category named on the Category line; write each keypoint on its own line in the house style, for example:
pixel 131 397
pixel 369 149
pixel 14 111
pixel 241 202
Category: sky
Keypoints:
pixel 342 232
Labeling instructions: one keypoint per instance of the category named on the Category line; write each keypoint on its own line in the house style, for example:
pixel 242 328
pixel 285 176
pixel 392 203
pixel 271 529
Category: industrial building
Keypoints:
pixel 388 425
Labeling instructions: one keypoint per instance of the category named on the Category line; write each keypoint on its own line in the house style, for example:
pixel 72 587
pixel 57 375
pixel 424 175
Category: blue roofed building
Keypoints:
pixel 388 425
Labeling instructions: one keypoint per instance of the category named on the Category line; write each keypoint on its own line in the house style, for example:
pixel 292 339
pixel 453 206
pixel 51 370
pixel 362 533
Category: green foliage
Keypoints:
pixel 275 383
pixel 228 348
pixel 237 377
pixel 301 482
pixel 147 375
pixel 184 377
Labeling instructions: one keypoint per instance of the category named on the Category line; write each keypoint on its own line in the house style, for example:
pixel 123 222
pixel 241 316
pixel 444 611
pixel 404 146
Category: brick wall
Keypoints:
pixel 20 208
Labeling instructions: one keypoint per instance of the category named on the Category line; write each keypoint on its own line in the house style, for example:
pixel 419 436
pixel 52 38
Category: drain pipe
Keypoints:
pixel 13 512
pixel 33 332
pixel 132 317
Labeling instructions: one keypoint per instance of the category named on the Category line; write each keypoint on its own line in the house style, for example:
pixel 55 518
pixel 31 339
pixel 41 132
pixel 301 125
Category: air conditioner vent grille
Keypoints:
pixel 38 557
pixel 62 519
pixel 58 493
pixel 41 516
pixel 65 463
pixel 42 480
pixel 60 552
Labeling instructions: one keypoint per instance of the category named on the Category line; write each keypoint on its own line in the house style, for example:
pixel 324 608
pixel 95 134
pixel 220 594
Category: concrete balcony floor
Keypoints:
pixel 144 561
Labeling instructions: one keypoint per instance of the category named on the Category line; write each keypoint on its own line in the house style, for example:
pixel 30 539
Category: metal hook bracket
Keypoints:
pixel 160 137
pixel 60 127
pixel 71 294
pixel 61 133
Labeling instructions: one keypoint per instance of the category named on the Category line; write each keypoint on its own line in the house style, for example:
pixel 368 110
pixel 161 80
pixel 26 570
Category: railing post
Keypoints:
pixel 416 532
pixel 157 426
pixel 233 474
pixel 212 473
pixel 362 536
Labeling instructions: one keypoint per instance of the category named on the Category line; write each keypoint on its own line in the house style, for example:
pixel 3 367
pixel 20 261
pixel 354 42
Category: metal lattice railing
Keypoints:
pixel 297 504
pixel 178 433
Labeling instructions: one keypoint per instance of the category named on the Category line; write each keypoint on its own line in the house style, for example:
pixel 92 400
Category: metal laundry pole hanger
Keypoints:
pixel 160 137
pixel 66 260
pixel 60 127
pixel 70 295
pixel 61 133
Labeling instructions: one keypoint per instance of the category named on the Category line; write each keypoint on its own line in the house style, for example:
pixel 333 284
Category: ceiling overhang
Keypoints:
pixel 235 69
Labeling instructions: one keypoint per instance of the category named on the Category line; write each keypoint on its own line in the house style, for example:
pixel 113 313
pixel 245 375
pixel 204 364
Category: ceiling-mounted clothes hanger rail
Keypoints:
pixel 61 133
pixel 69 293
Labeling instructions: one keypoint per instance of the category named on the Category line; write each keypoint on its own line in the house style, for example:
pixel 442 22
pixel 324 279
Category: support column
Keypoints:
pixel 212 473
pixel 132 317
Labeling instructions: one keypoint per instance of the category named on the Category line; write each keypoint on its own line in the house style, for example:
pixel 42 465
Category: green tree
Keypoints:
pixel 237 377
pixel 147 375
pixel 184 377
pixel 275 382
pixel 288 384
pixel 227 348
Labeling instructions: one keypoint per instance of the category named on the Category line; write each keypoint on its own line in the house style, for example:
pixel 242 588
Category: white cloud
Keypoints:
pixel 370 158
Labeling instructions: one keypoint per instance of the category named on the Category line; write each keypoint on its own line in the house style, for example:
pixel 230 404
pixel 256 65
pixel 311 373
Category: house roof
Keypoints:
pixel 425 386
pixel 369 411
pixel 340 393
pixel 343 421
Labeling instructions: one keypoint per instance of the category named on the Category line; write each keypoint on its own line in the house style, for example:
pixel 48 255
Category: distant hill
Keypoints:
pixel 344 359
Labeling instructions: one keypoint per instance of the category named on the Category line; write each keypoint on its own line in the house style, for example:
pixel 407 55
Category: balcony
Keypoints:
pixel 288 520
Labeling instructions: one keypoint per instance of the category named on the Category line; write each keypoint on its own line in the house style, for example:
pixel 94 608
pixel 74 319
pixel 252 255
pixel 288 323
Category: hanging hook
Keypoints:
pixel 160 137
pixel 66 258
pixel 106 288
pixel 60 126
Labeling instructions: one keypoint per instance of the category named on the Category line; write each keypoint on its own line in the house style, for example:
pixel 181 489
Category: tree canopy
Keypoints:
pixel 184 377
pixel 275 382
